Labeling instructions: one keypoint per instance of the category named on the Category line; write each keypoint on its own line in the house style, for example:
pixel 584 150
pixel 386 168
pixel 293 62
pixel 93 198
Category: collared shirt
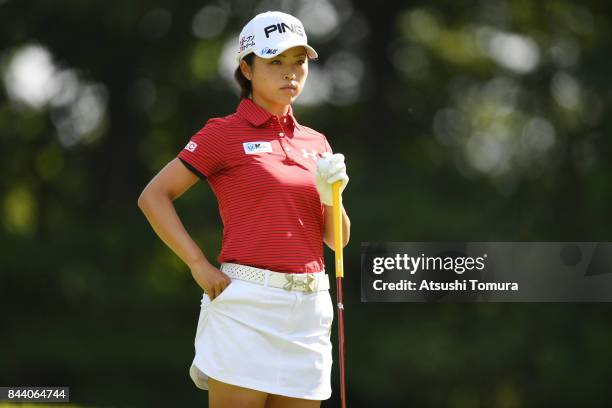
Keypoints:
pixel 262 170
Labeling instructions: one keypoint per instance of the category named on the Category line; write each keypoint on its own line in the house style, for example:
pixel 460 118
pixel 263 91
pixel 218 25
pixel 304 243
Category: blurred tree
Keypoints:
pixel 478 120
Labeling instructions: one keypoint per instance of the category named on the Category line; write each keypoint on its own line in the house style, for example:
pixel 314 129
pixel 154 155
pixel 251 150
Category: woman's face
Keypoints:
pixel 278 81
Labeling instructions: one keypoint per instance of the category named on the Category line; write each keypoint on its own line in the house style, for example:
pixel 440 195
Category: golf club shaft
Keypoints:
pixel 339 262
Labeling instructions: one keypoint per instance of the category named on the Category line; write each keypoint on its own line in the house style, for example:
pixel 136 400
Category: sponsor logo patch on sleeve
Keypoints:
pixel 191 146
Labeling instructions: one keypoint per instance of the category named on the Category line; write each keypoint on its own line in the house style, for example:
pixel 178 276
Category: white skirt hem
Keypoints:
pixel 197 373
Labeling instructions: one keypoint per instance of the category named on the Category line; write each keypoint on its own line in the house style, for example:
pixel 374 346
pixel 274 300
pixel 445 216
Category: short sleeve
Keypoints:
pixel 204 153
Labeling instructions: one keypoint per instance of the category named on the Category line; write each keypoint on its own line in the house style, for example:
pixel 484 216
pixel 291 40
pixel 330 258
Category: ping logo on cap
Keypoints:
pixel 282 28
pixel 257 147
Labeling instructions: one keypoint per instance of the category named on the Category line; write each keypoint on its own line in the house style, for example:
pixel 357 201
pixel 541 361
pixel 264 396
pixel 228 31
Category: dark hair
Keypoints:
pixel 245 85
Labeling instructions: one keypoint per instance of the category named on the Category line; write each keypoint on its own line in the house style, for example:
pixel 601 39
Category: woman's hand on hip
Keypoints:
pixel 210 279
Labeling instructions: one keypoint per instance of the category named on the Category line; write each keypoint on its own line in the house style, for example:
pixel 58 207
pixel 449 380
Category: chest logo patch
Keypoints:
pixel 312 154
pixel 257 147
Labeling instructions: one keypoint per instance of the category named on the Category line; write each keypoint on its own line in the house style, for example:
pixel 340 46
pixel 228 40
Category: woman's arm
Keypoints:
pixel 328 233
pixel 155 201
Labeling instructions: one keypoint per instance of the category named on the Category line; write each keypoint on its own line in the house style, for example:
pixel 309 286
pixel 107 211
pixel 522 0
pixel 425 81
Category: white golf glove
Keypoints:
pixel 330 168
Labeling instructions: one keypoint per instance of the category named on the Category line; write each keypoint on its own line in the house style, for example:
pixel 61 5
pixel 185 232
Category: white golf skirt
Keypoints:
pixel 267 339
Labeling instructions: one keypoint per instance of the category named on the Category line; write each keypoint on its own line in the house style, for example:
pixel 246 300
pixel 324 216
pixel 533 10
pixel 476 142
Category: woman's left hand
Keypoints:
pixel 330 168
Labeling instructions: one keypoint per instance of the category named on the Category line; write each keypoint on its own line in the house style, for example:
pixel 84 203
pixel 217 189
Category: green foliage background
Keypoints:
pixel 471 121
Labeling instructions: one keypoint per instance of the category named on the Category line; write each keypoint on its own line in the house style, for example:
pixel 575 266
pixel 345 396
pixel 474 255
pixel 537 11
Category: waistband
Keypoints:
pixel 305 282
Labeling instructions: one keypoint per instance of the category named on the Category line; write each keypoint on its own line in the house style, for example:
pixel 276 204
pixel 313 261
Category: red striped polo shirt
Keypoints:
pixel 261 168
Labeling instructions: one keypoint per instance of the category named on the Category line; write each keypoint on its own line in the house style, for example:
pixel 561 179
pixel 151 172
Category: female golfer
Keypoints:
pixel 263 336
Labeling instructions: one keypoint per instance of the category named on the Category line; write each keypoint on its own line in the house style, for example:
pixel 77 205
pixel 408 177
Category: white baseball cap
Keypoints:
pixel 271 33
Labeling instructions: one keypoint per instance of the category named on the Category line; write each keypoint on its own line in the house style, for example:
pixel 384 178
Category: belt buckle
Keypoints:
pixel 303 282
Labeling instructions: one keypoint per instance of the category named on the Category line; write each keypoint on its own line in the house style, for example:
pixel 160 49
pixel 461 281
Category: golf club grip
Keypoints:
pixel 337 207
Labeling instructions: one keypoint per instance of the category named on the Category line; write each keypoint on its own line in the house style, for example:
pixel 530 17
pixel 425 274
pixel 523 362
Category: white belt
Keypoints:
pixel 305 282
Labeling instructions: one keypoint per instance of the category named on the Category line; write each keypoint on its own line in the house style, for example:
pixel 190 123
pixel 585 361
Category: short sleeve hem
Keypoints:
pixel 193 169
pixel 206 150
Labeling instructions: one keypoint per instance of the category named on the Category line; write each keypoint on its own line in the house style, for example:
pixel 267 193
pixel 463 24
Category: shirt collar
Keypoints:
pixel 258 116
